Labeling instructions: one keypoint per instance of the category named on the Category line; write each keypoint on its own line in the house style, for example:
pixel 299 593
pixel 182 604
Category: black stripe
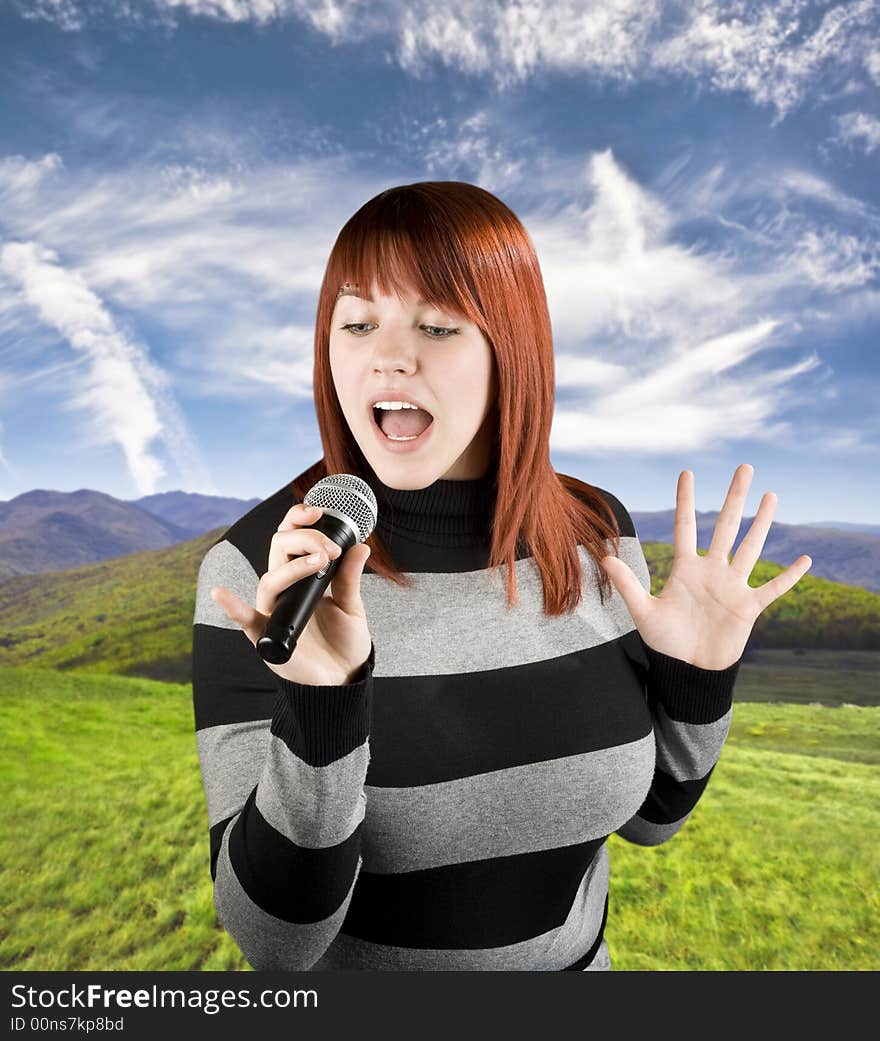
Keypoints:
pixel 322 724
pixel 216 835
pixel 621 514
pixel 582 963
pixel 670 800
pixel 428 729
pixel 289 881
pixel 481 903
pixel 252 534
pixel 231 682
pixel 688 693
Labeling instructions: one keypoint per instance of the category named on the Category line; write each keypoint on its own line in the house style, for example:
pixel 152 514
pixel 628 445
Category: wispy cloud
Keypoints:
pixel 773 51
pixel 661 348
pixel 227 264
pixel 681 402
pixel 126 398
pixel 859 129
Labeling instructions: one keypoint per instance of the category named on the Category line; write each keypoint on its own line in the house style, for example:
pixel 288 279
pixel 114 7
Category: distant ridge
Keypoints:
pixel 50 531
pixel 43 530
pixel 193 512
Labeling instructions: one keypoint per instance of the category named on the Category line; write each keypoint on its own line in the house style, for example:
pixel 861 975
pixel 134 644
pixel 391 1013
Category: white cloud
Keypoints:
pixel 124 395
pixel 859 128
pixel 21 177
pixel 679 402
pixel 471 146
pixel 774 51
pixel 872 64
pixel 764 49
pixel 834 260
pixel 227 266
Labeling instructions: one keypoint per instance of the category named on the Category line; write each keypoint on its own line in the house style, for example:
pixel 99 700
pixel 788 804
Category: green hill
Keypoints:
pixel 132 615
pixel 104 861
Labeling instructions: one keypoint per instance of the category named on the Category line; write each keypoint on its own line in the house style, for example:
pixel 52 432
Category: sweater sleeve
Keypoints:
pixel 690 712
pixel 283 768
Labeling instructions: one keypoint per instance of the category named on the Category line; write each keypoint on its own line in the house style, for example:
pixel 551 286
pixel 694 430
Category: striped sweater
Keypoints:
pixel 449 809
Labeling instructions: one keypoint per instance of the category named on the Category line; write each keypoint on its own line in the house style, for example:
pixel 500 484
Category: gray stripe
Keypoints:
pixel 313 806
pixel 602 961
pixel 646 833
pixel 231 756
pixel 223 565
pixel 552 950
pixel 523 809
pixel 454 623
pixel 444 611
pixel 266 941
pixel 687 751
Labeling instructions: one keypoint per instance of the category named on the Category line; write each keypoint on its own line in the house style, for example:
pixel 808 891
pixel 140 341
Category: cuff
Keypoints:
pixel 323 723
pixel 687 692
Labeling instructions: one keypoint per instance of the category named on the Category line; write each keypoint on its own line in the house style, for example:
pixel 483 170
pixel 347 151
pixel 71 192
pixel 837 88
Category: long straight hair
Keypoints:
pixel 463 250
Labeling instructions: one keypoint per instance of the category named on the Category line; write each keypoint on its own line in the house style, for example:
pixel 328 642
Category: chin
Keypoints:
pixel 406 474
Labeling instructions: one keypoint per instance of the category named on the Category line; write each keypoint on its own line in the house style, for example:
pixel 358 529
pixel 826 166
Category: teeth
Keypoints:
pixel 393 405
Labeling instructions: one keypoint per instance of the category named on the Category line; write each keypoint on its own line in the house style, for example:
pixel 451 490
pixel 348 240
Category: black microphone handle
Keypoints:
pixel 295 605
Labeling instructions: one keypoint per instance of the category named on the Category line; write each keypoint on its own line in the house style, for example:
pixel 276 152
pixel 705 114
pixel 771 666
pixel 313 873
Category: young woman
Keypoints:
pixel 430 781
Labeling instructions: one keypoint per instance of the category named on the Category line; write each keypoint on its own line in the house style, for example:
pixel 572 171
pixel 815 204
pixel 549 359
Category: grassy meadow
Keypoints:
pixel 104 858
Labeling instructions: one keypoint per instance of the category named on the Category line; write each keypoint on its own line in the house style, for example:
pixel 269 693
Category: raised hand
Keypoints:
pixel 706 609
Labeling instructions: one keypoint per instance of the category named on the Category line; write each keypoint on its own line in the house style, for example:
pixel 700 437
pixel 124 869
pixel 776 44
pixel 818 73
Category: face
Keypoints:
pixel 387 349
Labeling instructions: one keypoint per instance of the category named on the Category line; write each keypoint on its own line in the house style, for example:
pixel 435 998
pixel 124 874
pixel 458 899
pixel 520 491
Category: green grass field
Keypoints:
pixel 104 858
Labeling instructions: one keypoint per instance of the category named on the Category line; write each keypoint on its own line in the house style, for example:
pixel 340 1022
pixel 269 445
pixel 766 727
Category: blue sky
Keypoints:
pixel 700 181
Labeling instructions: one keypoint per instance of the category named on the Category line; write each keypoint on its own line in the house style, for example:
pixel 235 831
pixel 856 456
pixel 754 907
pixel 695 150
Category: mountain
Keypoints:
pixel 865 529
pixel 44 531
pixel 195 513
pixel 133 615
pixel 850 556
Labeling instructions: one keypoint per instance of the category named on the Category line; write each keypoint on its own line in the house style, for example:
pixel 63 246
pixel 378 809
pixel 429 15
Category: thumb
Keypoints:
pixel 346 582
pixel 251 621
pixel 625 582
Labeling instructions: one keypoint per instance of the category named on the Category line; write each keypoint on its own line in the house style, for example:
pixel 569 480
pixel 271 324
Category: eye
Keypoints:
pixel 445 333
pixel 437 332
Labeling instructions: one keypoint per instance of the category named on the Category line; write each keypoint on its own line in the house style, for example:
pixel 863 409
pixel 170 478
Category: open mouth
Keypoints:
pixel 402 426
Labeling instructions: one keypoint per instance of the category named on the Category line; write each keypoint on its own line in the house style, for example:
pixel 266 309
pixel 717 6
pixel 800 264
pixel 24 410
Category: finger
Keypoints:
pixel 727 524
pixel 246 617
pixel 685 525
pixel 273 583
pixel 345 586
pixel 750 548
pixel 634 594
pixel 299 515
pixel 780 585
pixel 285 545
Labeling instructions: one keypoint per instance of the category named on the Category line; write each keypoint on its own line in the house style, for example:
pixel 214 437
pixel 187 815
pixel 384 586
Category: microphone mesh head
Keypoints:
pixel 348 495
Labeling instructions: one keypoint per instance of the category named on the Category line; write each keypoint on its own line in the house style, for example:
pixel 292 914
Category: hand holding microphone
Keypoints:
pixel 303 635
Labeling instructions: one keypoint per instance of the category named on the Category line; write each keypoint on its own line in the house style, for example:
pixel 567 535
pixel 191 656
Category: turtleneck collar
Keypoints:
pixel 442 512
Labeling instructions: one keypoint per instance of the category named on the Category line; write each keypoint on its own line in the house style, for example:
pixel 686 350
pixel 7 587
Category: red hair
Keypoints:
pixel 464 250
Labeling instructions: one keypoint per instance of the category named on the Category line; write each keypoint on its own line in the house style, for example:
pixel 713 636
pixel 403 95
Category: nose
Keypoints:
pixel 392 353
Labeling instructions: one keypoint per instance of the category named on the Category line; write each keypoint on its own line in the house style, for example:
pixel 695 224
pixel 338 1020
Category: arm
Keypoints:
pixel 690 711
pixel 283 767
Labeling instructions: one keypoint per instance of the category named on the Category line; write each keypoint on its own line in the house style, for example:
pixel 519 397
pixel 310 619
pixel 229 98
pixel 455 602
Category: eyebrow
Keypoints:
pixel 351 292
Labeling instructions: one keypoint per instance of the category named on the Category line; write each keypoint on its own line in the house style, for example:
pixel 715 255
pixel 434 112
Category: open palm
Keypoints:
pixel 706 610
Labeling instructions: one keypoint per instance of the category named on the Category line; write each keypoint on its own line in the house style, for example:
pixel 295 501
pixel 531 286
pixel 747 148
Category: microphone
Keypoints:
pixel 349 515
